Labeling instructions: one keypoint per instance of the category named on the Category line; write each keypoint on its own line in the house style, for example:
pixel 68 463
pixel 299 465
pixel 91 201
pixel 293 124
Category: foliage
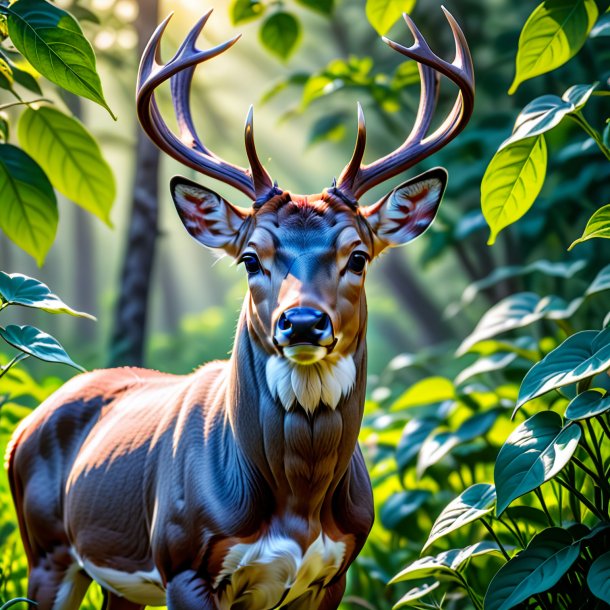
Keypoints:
pixel 39 39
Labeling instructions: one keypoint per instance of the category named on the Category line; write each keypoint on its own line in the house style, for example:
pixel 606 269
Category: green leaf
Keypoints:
pixel 52 41
pixel 588 404
pixel 600 283
pixel 280 34
pixel 6 75
pixel 539 116
pixel 37 343
pixel 242 11
pixel 539 567
pixel 19 289
pixel 597 226
pixel 416 593
pixel 329 127
pixel 445 565
pixel 425 392
pixel 602 27
pixel 22 74
pixel 383 14
pixel 28 215
pixel 70 156
pixel 553 34
pixel 598 577
pixel 401 505
pixel 512 182
pixel 578 95
pixel 472 504
pixel 413 436
pixel 487 364
pixel 580 356
pixel 533 454
pixel 325 7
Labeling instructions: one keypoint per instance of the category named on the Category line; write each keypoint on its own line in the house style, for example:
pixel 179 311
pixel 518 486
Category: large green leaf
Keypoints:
pixel 547 558
pixel 472 504
pixel 553 34
pixel 52 41
pixel 579 357
pixel 280 34
pixel 70 156
pixel 588 404
pixel 28 215
pixel 597 226
pixel 19 289
pixel 598 577
pixel 37 343
pixel 383 14
pixel 534 453
pixel 512 182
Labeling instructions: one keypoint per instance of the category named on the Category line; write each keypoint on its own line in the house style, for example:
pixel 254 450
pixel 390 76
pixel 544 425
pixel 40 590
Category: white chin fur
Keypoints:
pixel 310 385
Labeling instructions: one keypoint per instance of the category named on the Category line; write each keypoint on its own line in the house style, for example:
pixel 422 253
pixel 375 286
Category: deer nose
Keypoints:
pixel 304 325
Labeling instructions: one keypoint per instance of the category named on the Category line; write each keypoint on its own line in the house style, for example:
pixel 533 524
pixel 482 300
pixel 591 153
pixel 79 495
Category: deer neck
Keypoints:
pixel 301 452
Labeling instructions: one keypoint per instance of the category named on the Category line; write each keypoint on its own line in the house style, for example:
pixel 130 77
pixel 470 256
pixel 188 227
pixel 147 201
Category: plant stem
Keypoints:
pixel 604 425
pixel 544 506
pixel 5 369
pixel 584 500
pixel 497 540
pixel 584 124
pixel 586 469
pixel 24 103
pixel 514 530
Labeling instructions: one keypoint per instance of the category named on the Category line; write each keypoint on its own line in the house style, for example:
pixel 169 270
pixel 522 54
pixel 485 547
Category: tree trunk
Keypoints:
pixel 129 333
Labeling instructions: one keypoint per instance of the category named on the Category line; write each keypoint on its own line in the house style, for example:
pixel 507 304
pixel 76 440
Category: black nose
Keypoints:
pixel 304 325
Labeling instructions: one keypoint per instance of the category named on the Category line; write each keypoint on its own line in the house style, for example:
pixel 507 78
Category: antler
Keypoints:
pixel 188 148
pixel 356 179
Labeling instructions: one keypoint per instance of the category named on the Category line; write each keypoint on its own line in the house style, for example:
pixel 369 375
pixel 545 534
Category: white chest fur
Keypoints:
pixel 274 569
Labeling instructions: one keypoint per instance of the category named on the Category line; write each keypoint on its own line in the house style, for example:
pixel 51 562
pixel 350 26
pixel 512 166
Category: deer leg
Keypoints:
pixel 55 586
pixel 188 591
pixel 116 602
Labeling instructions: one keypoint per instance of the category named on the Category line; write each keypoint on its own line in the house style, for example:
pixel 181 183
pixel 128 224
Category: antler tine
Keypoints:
pixel 348 175
pixel 188 148
pixel 263 184
pixel 417 146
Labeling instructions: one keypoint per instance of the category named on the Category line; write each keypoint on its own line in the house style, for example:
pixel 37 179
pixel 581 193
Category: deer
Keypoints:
pixel 241 485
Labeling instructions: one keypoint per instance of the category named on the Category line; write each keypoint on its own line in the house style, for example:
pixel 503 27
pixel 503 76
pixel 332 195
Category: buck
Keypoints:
pixel 240 485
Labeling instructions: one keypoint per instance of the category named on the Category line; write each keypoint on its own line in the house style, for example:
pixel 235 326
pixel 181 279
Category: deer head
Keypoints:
pixel 306 256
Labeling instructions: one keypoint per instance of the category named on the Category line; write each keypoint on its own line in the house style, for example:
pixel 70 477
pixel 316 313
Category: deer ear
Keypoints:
pixel 408 210
pixel 209 218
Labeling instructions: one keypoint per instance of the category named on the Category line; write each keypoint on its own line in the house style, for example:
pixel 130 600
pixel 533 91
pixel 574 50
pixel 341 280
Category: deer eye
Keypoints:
pixel 357 262
pixel 251 263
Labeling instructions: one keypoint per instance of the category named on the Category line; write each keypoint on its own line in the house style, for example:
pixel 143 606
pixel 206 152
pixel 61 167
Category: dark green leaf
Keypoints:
pixel 401 505
pixel 37 343
pixel 539 567
pixel 21 76
pixel 28 215
pixel 70 156
pixel 329 127
pixel 19 289
pixel 534 453
pixel 280 34
pixel 472 504
pixel 512 182
pixel 325 7
pixel 580 356
pixel 588 404
pixel 246 10
pixel 598 577
pixel 52 41
pixel 553 34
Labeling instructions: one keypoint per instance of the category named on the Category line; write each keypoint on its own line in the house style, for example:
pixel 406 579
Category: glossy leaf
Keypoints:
pixel 280 34
pixel 472 504
pixel 37 343
pixel 539 116
pixel 602 27
pixel 553 34
pixel 578 95
pixel 383 14
pixel 597 226
pixel 579 357
pixel 533 454
pixel 416 593
pixel 401 505
pixel 600 283
pixel 512 182
pixel 413 436
pixel 242 11
pixel 487 364
pixel 539 567
pixel 598 577
pixel 588 404
pixel 19 289
pixel 52 41
pixel 28 215
pixel 70 156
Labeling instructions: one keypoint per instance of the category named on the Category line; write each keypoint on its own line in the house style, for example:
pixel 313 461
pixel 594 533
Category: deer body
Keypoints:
pixel 240 486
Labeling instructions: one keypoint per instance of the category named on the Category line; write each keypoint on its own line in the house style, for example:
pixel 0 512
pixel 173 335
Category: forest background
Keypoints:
pixel 456 320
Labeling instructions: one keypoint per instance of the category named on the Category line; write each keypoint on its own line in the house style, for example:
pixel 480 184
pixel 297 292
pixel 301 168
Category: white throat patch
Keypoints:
pixel 312 384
